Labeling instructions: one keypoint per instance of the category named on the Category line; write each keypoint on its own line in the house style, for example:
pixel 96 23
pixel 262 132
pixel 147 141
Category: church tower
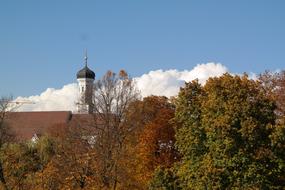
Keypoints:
pixel 85 78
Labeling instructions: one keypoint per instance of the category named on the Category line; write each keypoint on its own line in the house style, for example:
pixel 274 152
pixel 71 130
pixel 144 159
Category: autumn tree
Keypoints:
pixel 45 150
pixel 274 85
pixel 113 94
pixel 225 135
pixel 5 133
pixel 70 167
pixel 153 143
pixel 280 91
pixel 20 162
pixel 57 160
pixel 89 153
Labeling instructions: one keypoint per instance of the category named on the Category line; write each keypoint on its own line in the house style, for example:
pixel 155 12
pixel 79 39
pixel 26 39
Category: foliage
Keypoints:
pixel 6 135
pixel 156 141
pixel 22 162
pixel 224 135
pixel 227 134
pixel 72 165
pixel 152 143
pixel 113 95
pixel 164 179
pixel 273 84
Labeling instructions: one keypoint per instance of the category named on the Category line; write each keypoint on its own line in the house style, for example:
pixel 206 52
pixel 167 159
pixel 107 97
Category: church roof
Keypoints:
pixel 86 73
pixel 25 124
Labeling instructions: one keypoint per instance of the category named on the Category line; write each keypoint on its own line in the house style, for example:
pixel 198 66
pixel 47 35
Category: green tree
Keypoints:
pixel 20 163
pixel 224 135
pixel 25 162
pixel 164 179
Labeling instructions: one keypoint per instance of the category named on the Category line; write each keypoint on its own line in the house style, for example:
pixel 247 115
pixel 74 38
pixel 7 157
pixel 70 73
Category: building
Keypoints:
pixel 27 125
pixel 85 78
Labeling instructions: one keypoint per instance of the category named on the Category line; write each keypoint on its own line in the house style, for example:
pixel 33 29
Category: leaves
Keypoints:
pixel 227 134
pixel 223 134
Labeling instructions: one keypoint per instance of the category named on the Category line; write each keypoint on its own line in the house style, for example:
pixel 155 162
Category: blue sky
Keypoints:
pixel 42 42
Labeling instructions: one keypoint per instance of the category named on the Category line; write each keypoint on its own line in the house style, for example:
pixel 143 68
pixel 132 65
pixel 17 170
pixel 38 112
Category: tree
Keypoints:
pixel 45 150
pixel 155 140
pixel 164 179
pixel 71 166
pixel 274 85
pixel 20 162
pixel 5 133
pixel 224 135
pixel 113 94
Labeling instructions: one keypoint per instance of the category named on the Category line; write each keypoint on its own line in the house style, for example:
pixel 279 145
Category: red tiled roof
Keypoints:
pixel 25 124
pixel 82 120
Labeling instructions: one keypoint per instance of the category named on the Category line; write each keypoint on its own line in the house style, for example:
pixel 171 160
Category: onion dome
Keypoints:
pixel 85 72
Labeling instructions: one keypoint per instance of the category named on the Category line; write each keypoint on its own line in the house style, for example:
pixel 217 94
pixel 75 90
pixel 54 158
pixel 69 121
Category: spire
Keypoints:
pixel 85 58
pixel 85 72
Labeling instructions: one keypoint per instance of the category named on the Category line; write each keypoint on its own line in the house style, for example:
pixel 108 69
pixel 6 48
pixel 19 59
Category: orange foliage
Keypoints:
pixel 153 142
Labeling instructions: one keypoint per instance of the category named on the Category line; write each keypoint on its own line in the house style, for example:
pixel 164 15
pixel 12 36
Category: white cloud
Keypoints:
pixel 157 82
pixel 167 83
pixel 52 100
